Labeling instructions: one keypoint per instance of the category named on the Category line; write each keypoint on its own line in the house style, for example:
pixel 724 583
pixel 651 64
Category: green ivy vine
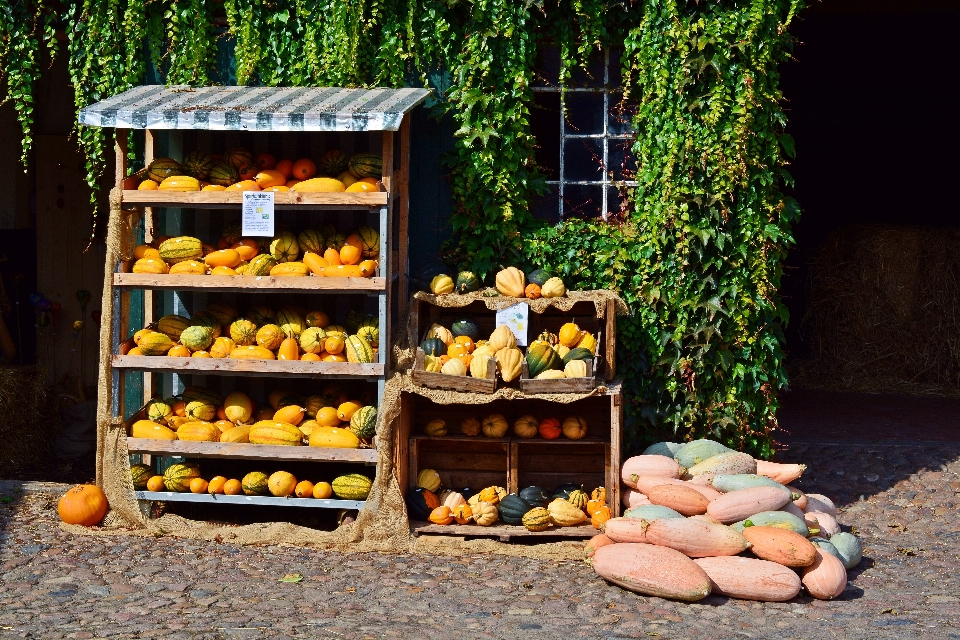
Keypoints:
pixel 698 248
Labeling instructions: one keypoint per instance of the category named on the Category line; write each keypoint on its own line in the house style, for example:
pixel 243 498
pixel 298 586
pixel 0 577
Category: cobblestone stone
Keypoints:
pixel 54 585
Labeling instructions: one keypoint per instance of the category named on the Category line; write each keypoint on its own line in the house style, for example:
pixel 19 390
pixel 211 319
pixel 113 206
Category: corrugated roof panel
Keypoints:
pixel 255 108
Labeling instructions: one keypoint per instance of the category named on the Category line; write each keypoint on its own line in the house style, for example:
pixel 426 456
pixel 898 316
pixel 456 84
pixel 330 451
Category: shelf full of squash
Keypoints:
pixel 227 317
pixel 498 439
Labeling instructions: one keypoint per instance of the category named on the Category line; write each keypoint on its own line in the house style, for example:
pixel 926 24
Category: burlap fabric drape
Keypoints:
pixel 381 525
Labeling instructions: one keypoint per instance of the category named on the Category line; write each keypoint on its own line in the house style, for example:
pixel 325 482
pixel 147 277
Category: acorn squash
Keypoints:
pixel 511 282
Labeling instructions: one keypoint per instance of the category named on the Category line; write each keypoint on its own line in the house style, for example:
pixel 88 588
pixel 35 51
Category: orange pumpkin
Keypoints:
pixel 216 485
pixel 199 485
pixel 310 357
pixel 85 504
pixel 441 515
pixel 155 483
pixel 322 490
pixel 532 291
pixel 463 513
pixel 334 345
pixel 549 429
pixel 599 517
pixel 332 256
pixel 247 248
pixel 304 489
pixel 303 169
pixel 430 499
pixel 232 487
pixel 594 505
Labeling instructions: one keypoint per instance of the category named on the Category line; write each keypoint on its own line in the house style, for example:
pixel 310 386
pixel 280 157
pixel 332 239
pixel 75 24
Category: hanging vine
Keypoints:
pixel 23 25
pixel 697 251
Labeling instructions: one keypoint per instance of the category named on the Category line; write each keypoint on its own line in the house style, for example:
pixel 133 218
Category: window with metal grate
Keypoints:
pixel 583 138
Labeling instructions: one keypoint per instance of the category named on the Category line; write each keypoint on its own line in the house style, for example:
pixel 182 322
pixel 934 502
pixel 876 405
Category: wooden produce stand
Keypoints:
pixel 287 122
pixel 512 462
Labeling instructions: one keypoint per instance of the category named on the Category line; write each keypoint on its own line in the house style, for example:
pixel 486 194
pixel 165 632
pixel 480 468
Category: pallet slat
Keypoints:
pixel 248 284
pixel 234 199
pixel 468 384
pixel 266 501
pixel 502 531
pixel 244 367
pixel 238 451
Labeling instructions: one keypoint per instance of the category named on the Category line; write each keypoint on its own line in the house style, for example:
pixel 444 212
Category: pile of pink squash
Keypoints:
pixel 701 518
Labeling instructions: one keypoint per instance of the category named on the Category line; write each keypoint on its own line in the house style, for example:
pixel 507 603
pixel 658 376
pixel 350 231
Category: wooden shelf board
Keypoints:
pixel 253 368
pixel 266 501
pixel 238 451
pixel 233 199
pixel 243 284
pixel 502 531
pixel 481 438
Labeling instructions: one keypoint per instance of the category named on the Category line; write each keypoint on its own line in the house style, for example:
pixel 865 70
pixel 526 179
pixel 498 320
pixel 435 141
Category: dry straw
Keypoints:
pixel 883 312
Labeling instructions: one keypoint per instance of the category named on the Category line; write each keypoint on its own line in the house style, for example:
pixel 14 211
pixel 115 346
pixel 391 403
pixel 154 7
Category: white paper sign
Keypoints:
pixel 257 213
pixel 517 318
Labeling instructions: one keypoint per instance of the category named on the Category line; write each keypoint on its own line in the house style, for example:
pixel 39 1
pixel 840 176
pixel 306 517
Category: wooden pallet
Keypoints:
pixel 559 385
pixel 503 532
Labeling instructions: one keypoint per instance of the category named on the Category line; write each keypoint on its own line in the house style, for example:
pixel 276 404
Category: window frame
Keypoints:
pixel 605 136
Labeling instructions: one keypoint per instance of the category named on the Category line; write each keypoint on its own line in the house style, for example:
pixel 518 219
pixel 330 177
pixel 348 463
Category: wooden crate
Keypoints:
pixel 559 385
pixel 501 531
pixel 511 462
pixel 435 380
pixel 424 314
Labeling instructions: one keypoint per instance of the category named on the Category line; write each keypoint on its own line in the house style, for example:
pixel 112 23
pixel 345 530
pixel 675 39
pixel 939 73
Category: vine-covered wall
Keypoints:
pixel 698 247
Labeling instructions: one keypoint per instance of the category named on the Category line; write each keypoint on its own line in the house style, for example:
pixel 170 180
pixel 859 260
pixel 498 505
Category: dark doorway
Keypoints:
pixel 870 105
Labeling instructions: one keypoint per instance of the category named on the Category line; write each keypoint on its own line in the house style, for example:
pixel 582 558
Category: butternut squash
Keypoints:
pixel 781 546
pixel 684 500
pixel 737 505
pixel 696 538
pixel 642 465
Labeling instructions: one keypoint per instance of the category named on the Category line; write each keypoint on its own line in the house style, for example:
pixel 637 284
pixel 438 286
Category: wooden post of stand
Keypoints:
pixel 615 453
pixel 513 464
pixel 610 313
pixel 403 209
pixel 387 262
pixel 120 174
pixel 149 235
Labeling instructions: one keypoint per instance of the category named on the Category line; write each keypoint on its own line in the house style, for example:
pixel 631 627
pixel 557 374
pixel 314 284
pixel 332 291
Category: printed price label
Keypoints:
pixel 257 215
pixel 517 318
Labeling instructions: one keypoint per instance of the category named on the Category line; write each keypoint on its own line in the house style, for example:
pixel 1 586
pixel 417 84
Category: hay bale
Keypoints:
pixel 28 418
pixel 883 312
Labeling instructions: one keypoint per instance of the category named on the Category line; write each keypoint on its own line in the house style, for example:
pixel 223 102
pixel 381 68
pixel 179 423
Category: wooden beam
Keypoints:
pixel 248 367
pixel 239 451
pixel 233 199
pixel 248 284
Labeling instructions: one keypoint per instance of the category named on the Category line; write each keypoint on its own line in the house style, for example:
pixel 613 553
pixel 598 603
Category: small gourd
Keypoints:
pixel 429 479
pixel 511 282
pixel 509 363
pixel 578 499
pixel 570 334
pixel 441 332
pixel 470 427
pixel 436 428
pixel 485 514
pixel 600 517
pixel 463 513
pixel 564 514
pixel 502 338
pixel 454 367
pixel 495 426
pixel 441 515
pixel 553 288
pixel 525 427
pixel 441 285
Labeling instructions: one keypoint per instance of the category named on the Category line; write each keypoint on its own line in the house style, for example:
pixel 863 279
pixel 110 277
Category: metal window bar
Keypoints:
pixel 605 136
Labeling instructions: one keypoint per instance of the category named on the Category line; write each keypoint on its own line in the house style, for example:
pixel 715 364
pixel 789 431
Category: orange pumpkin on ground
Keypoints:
pixel 85 504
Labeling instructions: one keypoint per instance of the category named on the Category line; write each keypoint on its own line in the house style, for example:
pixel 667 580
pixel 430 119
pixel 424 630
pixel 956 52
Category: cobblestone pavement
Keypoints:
pixel 53 585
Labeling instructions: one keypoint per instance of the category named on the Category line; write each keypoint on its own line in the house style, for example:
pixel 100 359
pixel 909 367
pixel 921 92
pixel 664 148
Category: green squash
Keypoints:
pixel 537 496
pixel 466 282
pixel 140 473
pixel 512 509
pixel 466 327
pixel 539 276
pixel 577 354
pixel 433 347
pixel 540 358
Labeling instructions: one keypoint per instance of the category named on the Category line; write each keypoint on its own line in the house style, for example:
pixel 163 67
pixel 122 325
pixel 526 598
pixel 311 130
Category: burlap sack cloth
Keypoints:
pixel 381 525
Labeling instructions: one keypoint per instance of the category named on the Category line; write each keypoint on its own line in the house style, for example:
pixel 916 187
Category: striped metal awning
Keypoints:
pixel 254 108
